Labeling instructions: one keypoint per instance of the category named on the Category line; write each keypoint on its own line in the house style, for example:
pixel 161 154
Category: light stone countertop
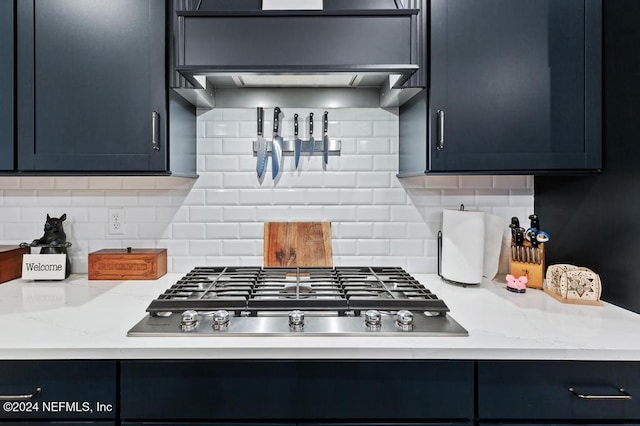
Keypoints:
pixel 82 319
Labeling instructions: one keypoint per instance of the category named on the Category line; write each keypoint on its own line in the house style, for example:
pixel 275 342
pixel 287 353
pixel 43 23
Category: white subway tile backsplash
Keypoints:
pixel 207 247
pixel 240 247
pixel 239 214
pixel 210 146
pixel 189 231
pixel 217 231
pixel 385 128
pixel 154 231
pixel 406 214
pixel 371 247
pixel 344 247
pixel 9 182
pixel 378 145
pixel 273 213
pixel 222 129
pixel 356 128
pixel 476 182
pixel 388 163
pixel 288 196
pixel 511 182
pixel 389 230
pixel 356 196
pixel 221 163
pixel 340 180
pixel 324 196
pixel 217 219
pixel 355 230
pixel 338 213
pixel 251 230
pixel 407 247
pixel 389 196
pixel 373 213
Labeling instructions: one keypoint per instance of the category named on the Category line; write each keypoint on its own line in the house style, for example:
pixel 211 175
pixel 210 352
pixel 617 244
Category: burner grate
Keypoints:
pixel 254 289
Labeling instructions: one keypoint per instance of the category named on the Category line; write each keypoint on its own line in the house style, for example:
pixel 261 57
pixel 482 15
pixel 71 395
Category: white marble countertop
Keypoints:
pixel 82 319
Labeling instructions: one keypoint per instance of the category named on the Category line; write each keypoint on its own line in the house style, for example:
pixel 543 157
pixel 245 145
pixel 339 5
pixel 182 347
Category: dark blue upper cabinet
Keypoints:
pixel 6 85
pixel 515 87
pixel 91 74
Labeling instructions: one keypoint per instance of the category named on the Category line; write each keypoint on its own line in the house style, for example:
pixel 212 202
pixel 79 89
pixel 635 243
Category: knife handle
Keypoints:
pixel 325 122
pixel 295 125
pixel 276 120
pixel 310 124
pixel 260 121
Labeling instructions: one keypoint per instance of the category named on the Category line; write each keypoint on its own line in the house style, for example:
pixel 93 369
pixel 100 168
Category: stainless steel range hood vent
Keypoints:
pixel 345 58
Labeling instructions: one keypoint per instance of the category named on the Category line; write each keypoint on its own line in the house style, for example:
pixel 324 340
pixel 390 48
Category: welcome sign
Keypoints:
pixel 44 266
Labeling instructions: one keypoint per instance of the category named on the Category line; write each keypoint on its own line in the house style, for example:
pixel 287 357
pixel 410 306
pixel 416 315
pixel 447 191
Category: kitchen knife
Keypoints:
pixel 297 145
pixel 261 150
pixel 519 244
pixel 312 141
pixel 276 145
pixel 325 139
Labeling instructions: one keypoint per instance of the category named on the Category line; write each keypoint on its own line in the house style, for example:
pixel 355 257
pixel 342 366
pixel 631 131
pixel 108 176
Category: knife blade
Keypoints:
pixel 261 149
pixel 276 145
pixel 325 139
pixel 312 141
pixel 297 145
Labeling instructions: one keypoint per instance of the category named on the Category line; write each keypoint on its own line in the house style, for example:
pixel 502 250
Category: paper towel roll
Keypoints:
pixel 463 244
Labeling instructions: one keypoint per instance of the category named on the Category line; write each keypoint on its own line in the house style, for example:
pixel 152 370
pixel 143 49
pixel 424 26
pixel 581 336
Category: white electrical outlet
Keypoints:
pixel 116 221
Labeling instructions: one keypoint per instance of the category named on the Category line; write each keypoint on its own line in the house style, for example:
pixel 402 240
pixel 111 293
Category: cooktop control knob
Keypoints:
pixel 296 320
pixel 373 319
pixel 189 321
pixel 404 320
pixel 220 319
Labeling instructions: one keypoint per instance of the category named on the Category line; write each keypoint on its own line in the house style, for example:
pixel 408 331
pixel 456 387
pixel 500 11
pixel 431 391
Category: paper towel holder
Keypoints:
pixel 439 241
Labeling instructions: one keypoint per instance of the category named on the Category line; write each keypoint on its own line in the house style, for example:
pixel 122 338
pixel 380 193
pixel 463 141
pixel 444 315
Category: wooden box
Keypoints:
pixel 127 264
pixel 11 262
pixel 528 261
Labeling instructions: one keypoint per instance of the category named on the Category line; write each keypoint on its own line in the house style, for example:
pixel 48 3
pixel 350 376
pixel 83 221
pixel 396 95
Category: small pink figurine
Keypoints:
pixel 517 285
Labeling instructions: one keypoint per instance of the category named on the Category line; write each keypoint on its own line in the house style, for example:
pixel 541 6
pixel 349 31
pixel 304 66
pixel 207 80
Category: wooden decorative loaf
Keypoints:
pixel 573 284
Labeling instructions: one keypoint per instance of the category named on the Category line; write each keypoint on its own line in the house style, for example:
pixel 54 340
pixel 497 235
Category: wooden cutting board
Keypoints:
pixel 297 244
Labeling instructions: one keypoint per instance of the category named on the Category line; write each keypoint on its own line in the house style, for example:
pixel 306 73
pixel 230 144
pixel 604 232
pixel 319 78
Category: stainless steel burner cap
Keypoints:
pixel 404 319
pixel 189 321
pixel 220 319
pixel 373 319
pixel 296 319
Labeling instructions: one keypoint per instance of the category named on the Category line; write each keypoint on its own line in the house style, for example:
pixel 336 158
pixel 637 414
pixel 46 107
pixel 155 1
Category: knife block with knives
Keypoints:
pixel 527 252
pixel 528 261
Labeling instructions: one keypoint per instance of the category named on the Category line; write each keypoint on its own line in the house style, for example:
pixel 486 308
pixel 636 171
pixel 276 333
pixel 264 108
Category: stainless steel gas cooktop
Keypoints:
pixel 255 301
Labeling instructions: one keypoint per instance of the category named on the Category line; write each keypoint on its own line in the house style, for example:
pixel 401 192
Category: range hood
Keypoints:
pixel 323 58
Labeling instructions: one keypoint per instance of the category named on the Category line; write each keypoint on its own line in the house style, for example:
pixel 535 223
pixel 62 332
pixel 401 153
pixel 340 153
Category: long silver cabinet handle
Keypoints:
pixel 20 397
pixel 440 115
pixel 625 395
pixel 154 130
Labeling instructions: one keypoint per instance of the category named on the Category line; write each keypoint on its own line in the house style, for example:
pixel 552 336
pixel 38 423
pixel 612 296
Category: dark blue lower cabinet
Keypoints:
pixel 43 391
pixel 334 391
pixel 58 423
pixel 168 423
pixel 549 391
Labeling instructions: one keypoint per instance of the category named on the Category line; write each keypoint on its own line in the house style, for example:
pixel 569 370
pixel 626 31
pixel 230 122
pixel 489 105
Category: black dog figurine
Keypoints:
pixel 54 239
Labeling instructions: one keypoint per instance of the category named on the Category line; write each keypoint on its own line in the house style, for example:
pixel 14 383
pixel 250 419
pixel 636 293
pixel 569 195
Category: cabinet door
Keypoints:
pixel 519 83
pixel 60 390
pixel 558 390
pixel 91 73
pixel 6 85
pixel 297 391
